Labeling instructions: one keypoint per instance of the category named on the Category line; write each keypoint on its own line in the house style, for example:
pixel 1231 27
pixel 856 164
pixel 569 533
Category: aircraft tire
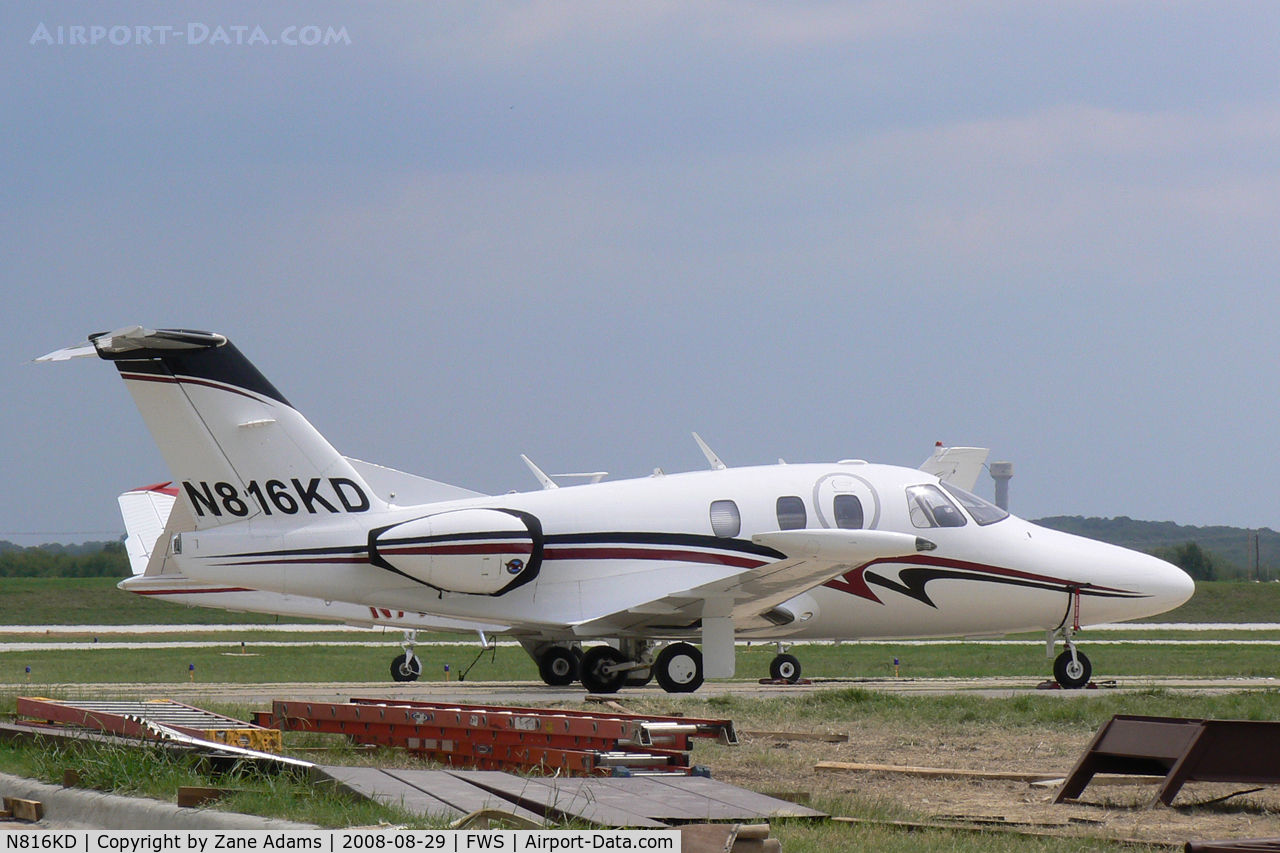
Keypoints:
pixel 592 673
pixel 679 668
pixel 1070 675
pixel 558 666
pixel 404 669
pixel 785 668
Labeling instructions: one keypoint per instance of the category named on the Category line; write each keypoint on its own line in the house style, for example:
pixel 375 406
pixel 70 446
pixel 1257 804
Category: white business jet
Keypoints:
pixel 146 512
pixel 777 553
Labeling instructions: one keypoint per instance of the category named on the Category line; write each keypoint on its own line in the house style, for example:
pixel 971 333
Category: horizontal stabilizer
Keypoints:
pixel 401 489
pixel 146 512
pixel 959 466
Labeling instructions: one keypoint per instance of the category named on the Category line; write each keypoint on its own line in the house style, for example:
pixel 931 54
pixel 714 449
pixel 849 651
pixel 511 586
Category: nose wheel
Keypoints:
pixel 407 666
pixel 1072 669
pixel 785 668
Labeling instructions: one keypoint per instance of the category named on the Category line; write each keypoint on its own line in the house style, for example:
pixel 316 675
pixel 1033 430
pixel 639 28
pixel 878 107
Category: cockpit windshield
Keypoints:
pixel 929 507
pixel 984 513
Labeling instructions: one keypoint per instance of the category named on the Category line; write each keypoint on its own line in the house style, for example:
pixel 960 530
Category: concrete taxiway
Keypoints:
pixel 532 692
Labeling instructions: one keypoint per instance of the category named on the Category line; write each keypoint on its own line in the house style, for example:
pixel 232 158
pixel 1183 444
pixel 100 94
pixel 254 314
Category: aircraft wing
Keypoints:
pixel 811 558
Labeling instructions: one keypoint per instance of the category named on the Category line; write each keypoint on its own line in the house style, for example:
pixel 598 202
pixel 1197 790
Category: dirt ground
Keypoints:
pixel 768 765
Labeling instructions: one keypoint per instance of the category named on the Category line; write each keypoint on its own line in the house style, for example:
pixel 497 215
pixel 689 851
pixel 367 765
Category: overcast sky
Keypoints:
pixel 580 230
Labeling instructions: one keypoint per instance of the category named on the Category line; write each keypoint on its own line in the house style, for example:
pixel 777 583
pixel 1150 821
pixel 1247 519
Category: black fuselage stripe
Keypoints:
pixel 682 540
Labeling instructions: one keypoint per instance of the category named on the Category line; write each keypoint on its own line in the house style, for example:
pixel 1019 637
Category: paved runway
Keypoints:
pixel 529 692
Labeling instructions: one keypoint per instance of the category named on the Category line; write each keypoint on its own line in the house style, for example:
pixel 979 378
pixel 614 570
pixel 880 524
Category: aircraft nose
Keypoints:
pixel 1168 585
pixel 1129 584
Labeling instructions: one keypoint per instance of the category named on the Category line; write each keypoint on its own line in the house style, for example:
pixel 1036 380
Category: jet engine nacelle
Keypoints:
pixel 474 551
pixel 794 612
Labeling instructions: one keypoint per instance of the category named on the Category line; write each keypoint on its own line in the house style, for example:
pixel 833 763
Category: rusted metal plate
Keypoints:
pixel 374 784
pixel 1180 750
pixel 749 804
pixel 558 803
pixel 463 796
pixel 1149 737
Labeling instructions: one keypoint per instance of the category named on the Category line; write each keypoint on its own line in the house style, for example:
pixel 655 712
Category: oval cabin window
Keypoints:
pixel 791 515
pixel 725 521
pixel 848 511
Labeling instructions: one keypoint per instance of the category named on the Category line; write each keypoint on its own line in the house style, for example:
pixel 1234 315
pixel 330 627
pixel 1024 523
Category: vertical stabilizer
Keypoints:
pixel 235 446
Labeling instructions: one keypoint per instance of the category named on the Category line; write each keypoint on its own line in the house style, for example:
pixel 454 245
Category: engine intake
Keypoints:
pixel 472 551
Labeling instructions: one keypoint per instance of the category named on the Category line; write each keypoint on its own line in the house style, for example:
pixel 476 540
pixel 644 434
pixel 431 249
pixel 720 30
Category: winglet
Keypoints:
pixel 547 482
pixel 716 464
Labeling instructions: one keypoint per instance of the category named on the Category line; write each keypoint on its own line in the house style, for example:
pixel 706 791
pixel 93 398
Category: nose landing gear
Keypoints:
pixel 784 667
pixel 1072 669
pixel 407 666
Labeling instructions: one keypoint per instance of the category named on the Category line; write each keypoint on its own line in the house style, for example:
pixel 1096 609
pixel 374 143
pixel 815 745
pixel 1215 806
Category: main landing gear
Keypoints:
pixel 558 665
pixel 606 669
pixel 677 667
pixel 407 666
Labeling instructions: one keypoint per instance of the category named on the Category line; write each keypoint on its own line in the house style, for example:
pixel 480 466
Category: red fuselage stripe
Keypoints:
pixel 189 591
pixel 942 562
pixel 652 554
pixel 586 553
pixel 485 548
pixel 180 380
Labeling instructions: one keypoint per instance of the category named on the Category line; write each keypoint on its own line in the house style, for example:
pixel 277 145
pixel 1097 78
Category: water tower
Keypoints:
pixel 1002 473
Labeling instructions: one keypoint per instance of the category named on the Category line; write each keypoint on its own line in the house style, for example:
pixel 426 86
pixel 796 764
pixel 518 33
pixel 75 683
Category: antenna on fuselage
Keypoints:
pixel 547 482
pixel 716 464
pixel 593 476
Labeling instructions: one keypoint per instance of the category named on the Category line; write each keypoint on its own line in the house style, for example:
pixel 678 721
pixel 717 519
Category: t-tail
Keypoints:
pixel 235 446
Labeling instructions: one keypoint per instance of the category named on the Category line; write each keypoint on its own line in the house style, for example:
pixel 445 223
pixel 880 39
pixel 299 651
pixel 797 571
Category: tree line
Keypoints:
pixel 1205 553
pixel 90 560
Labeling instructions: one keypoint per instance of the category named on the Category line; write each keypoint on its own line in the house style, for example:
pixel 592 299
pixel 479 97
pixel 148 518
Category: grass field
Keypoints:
pixel 1228 601
pixel 849 660
pixel 96 601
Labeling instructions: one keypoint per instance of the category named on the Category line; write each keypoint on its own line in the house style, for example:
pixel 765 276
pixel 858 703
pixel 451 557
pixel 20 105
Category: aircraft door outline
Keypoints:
pixel 844 483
